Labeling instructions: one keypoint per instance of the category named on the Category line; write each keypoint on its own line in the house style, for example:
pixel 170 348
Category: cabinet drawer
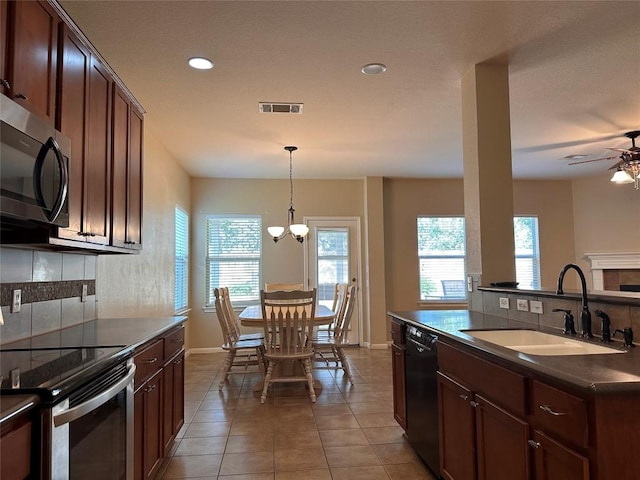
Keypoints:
pixel 148 361
pixel 15 453
pixel 503 387
pixel 397 333
pixel 173 342
pixel 560 414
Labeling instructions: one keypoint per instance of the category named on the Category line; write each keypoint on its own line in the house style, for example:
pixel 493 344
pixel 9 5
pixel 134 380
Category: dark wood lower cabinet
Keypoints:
pixel 399 392
pixel 158 400
pixel 15 449
pixel 555 461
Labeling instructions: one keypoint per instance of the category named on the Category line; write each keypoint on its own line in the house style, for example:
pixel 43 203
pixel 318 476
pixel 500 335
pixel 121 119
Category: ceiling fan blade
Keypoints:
pixel 617 165
pixel 621 150
pixel 574 143
pixel 595 160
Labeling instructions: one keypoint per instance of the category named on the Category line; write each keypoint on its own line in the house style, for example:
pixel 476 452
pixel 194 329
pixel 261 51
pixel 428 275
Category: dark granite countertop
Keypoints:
pixel 13 405
pixel 593 373
pixel 105 332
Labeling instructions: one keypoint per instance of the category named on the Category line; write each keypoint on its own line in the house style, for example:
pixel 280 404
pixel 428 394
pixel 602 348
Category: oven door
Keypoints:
pixel 91 432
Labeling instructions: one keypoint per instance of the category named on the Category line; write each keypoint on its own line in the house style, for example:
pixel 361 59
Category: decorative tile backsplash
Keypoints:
pixel 51 285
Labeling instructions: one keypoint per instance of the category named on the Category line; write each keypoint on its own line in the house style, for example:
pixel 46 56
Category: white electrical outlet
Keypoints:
pixel 522 305
pixel 536 306
pixel 504 303
pixel 83 298
pixel 17 301
pixel 469 283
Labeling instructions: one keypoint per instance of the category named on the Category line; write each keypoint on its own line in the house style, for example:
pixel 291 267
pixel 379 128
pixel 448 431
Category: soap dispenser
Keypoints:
pixel 569 325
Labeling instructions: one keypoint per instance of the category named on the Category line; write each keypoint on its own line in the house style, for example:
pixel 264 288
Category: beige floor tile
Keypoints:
pixel 287 440
pixel 371 407
pixel 250 476
pixel 337 438
pixel 193 466
pixel 336 422
pixel 405 471
pixel 318 474
pixel 392 434
pixel 247 427
pixel 331 409
pixel 361 473
pixel 201 446
pixel 304 425
pixel 255 442
pixel 330 398
pixel 351 456
pixel 356 396
pixel 208 429
pixel 376 420
pixel 217 415
pixel 300 459
pixel 395 453
pixel 241 463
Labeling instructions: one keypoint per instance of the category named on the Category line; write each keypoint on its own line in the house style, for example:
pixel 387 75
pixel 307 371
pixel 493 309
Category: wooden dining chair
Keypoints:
pixel 288 318
pixel 337 306
pixel 241 354
pixel 329 350
pixel 272 287
pixel 232 319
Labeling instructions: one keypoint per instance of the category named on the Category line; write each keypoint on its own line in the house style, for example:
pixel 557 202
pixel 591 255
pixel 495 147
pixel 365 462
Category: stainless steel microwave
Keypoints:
pixel 34 168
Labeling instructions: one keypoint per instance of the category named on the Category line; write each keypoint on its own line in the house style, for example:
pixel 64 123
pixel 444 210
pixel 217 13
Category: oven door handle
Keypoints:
pixel 71 414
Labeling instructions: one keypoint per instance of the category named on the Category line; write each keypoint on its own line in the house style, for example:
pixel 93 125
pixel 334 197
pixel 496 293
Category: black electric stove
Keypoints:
pixel 54 373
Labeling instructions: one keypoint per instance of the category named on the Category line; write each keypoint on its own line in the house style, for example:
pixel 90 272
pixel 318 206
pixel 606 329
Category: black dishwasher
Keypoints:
pixel 422 396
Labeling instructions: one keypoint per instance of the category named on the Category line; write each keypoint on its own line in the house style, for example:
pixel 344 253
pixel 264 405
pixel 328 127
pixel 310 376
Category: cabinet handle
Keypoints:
pixel 533 444
pixel 5 83
pixel 464 397
pixel 474 404
pixel 178 362
pixel 22 96
pixel 547 409
pixel 92 234
pixel 152 360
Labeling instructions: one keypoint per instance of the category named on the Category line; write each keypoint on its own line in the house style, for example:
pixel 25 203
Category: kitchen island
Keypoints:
pixel 506 414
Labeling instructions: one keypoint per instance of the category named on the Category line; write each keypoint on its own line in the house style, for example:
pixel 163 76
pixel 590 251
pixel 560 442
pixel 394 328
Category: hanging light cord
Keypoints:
pixel 290 181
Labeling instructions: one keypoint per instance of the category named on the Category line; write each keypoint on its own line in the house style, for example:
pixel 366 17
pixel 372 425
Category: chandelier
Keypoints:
pixel 296 230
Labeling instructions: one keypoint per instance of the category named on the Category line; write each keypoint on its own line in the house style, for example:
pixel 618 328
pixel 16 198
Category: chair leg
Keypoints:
pixel 228 361
pixel 267 381
pixel 262 363
pixel 344 363
pixel 307 370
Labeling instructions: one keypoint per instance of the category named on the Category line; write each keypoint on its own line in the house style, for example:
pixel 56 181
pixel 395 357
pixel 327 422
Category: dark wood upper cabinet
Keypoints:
pixel 30 56
pixel 127 172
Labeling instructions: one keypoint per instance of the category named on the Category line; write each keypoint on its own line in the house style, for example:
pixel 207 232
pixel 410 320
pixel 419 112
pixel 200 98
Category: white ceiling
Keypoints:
pixel 574 71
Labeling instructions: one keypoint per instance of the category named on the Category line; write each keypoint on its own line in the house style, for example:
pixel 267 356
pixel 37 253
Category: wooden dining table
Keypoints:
pixel 251 316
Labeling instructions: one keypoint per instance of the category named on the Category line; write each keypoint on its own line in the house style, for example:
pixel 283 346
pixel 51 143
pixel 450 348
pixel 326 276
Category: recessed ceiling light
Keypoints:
pixel 575 157
pixel 374 68
pixel 200 63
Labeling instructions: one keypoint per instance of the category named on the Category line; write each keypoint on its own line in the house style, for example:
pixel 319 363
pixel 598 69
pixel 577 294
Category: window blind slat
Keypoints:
pixel 181 286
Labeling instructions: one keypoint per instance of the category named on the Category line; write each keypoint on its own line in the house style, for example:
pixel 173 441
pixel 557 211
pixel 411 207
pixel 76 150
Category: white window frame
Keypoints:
pixel 534 256
pixel 210 260
pixel 181 261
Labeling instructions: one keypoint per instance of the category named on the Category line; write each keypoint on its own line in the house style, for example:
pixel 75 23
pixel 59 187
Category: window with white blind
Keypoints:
pixel 441 256
pixel 234 248
pixel 181 288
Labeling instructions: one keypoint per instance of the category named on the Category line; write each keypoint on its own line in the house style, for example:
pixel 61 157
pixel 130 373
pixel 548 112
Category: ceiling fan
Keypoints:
pixel 628 167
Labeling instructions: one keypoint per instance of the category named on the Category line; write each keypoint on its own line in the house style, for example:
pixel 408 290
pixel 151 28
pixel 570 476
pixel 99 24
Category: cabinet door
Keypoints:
pixel 138 434
pixel 168 385
pixel 126 172
pixel 152 442
pixel 97 173
pixel 178 393
pixel 31 57
pixel 554 461
pixel 501 439
pixel 399 394
pixel 457 430
pixel 72 118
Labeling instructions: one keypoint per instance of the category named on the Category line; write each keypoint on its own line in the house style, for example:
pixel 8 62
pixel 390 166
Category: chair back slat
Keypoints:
pixel 230 314
pixel 288 321
pixel 221 313
pixel 272 287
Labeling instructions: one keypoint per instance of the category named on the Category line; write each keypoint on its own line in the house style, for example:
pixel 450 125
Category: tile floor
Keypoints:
pixel 348 434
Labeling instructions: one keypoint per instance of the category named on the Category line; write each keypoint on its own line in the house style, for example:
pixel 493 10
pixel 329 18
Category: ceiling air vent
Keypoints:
pixel 270 107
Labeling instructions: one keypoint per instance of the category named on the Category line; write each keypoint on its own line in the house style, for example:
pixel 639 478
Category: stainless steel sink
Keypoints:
pixel 534 342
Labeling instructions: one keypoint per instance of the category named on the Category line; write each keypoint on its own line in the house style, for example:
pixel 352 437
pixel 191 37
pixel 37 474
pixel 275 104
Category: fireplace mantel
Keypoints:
pixel 610 261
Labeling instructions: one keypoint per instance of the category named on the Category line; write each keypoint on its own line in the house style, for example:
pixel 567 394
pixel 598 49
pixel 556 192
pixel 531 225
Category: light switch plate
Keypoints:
pixel 504 303
pixel 536 306
pixel 522 305
pixel 83 298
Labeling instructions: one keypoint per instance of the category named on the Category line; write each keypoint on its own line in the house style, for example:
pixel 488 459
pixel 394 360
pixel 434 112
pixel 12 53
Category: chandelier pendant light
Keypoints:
pixel 296 230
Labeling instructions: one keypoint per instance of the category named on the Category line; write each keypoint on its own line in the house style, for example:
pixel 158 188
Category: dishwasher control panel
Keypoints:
pixel 422 337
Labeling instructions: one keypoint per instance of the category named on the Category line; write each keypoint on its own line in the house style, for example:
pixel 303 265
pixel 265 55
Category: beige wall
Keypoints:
pixel 606 218
pixel 406 199
pixel 282 262
pixel 142 285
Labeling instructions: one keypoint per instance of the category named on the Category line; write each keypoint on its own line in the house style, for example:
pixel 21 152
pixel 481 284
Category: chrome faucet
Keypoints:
pixel 585 316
